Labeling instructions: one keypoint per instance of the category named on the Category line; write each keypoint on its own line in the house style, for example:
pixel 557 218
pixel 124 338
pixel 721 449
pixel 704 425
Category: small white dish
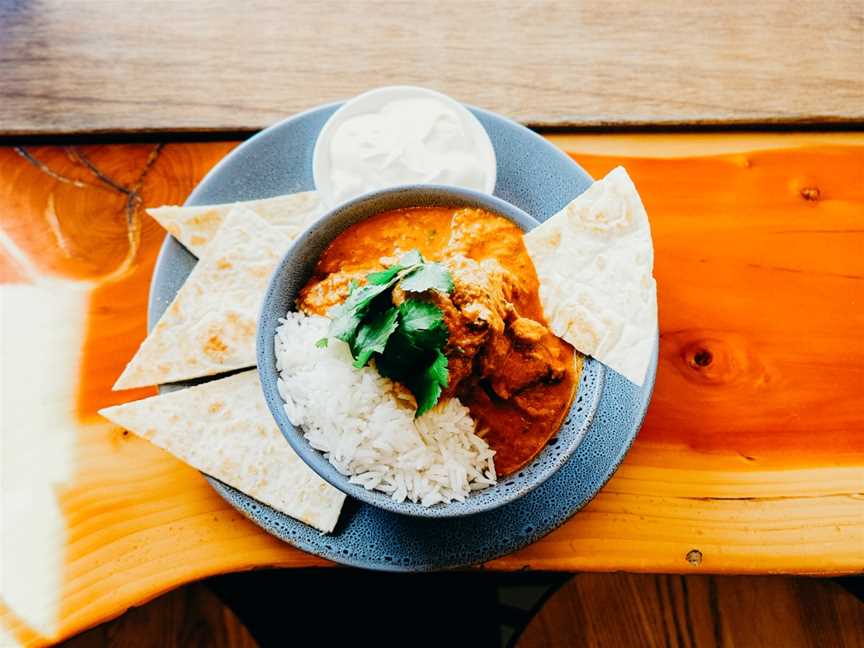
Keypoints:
pixel 401 135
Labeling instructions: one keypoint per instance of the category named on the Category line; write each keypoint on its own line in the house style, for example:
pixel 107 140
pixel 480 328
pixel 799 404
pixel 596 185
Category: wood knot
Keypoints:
pixel 810 193
pixel 694 557
pixel 702 358
pixel 715 359
pixel 119 437
pixel 698 356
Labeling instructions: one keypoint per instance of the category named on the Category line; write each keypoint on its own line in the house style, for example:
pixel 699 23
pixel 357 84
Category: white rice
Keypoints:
pixel 367 430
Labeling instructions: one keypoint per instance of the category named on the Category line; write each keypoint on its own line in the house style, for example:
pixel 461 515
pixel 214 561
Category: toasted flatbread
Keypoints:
pixel 224 429
pixel 594 260
pixel 195 227
pixel 210 326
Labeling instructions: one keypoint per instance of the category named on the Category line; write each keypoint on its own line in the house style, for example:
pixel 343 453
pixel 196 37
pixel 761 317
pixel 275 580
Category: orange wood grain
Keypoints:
pixel 750 460
pixel 759 263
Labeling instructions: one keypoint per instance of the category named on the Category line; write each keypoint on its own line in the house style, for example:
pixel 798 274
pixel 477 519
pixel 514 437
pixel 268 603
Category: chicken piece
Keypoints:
pixel 481 290
pixel 467 335
pixel 526 355
pixel 528 331
pixel 479 316
pixel 536 403
pixel 318 297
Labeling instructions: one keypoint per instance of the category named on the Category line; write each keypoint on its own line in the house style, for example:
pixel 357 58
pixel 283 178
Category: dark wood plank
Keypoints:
pixel 591 610
pixel 102 65
pixel 189 616
pixel 697 612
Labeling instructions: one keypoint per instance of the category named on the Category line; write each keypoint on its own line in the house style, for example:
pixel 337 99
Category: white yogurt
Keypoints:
pixel 401 135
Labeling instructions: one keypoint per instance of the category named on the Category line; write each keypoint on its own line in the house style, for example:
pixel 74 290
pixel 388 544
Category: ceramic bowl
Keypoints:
pixel 295 269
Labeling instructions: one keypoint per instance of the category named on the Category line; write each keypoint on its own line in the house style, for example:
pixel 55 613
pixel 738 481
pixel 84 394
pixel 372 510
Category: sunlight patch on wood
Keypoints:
pixel 42 324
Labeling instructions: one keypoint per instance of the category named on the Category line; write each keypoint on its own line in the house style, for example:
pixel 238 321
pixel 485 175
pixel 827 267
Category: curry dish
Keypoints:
pixel 516 377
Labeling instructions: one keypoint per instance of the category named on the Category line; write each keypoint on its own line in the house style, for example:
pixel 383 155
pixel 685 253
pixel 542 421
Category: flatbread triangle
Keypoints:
pixel 224 429
pixel 594 260
pixel 210 326
pixel 195 227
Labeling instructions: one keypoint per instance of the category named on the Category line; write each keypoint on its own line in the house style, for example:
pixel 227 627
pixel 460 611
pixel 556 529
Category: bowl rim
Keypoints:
pixel 352 211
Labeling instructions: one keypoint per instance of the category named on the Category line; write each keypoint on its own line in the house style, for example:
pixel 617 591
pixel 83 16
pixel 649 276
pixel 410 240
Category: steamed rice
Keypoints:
pixel 366 427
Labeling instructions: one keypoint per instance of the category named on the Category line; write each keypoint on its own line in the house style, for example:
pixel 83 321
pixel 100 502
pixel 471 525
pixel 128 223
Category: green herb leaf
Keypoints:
pixel 361 297
pixel 410 261
pixel 424 374
pixel 427 277
pixel 422 324
pixel 322 343
pixel 384 276
pixel 427 390
pixel 372 336
pixel 411 258
pixel 401 358
pixel 344 324
pixel 348 315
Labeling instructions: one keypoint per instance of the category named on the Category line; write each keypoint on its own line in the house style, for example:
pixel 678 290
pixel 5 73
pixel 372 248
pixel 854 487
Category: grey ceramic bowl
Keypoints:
pixel 295 269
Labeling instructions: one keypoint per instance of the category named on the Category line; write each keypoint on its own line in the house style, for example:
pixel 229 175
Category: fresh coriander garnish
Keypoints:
pixel 433 380
pixel 427 277
pixel 372 336
pixel 410 261
pixel 422 324
pixel 406 342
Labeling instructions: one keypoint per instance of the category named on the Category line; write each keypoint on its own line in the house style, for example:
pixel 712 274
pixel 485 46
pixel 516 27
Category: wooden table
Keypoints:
pixel 751 458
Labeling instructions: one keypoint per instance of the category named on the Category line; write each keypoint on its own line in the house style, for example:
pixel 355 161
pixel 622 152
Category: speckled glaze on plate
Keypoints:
pixel 539 179
pixel 294 271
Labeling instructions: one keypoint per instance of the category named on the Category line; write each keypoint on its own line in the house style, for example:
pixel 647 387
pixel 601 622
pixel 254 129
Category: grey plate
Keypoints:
pixel 536 177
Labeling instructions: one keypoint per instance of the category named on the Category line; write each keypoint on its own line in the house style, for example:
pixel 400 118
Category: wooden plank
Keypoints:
pixel 192 615
pixel 598 610
pixel 749 463
pixel 100 65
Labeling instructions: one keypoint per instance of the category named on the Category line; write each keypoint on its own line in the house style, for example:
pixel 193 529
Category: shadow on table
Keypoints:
pixel 488 609
pixel 358 607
